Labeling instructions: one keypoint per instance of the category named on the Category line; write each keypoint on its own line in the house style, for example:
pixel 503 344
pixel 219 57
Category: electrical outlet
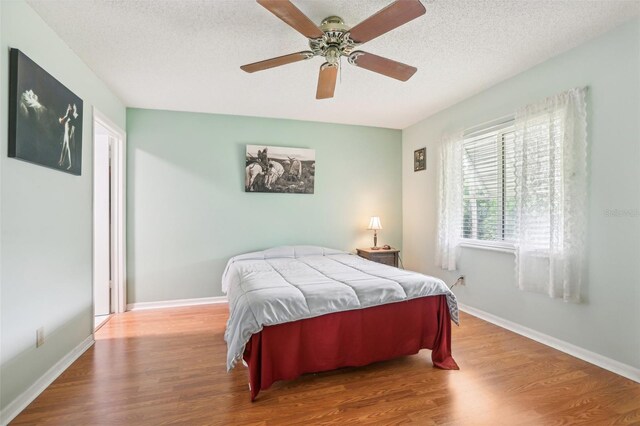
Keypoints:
pixel 39 337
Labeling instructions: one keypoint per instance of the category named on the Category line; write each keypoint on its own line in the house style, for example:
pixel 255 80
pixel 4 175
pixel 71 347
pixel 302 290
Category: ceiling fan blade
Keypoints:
pixel 276 62
pixel 396 14
pixel 327 81
pixel 290 14
pixel 381 65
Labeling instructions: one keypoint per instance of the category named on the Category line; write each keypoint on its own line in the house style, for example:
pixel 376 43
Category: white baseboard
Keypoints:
pixel 16 406
pixel 176 303
pixel 612 365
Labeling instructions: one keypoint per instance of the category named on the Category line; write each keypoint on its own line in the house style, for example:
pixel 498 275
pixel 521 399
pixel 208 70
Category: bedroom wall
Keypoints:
pixel 187 211
pixel 608 322
pixel 46 220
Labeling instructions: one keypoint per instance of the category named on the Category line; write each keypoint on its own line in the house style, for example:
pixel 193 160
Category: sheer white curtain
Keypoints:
pixel 450 201
pixel 551 186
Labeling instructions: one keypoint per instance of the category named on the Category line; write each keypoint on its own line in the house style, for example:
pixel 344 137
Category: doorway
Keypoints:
pixel 109 291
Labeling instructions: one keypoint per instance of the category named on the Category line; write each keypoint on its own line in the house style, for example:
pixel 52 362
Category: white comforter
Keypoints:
pixel 291 283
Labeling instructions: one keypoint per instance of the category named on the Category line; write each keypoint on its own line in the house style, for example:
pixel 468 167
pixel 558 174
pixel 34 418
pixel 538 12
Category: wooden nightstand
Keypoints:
pixel 387 257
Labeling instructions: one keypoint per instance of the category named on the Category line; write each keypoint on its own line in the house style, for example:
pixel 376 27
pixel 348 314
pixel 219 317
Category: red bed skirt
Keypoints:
pixel 350 339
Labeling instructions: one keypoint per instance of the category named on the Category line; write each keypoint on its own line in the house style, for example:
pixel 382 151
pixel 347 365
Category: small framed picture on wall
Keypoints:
pixel 420 159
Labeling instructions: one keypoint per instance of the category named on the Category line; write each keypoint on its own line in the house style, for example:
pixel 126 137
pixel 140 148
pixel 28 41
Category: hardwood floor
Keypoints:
pixel 168 367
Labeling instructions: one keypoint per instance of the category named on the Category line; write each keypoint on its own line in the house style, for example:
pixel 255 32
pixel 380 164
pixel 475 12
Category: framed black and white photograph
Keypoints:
pixel 420 159
pixel 280 169
pixel 45 118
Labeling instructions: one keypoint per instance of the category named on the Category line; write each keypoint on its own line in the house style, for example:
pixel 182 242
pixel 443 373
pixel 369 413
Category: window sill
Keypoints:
pixel 489 245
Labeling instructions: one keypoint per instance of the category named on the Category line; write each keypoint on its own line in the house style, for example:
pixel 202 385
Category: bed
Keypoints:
pixel 306 309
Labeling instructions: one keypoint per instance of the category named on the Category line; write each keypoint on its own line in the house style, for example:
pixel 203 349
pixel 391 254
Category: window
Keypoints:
pixel 488 186
pixel 521 185
pixel 542 183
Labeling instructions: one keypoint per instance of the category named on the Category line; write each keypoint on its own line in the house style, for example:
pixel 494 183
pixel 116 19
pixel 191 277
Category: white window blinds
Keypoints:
pixel 488 180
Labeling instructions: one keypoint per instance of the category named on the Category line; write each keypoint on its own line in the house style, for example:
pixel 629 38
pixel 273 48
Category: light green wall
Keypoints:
pixel 188 212
pixel 46 219
pixel 608 322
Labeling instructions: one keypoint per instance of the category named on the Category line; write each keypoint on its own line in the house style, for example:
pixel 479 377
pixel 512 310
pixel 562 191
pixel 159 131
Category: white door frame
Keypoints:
pixel 118 211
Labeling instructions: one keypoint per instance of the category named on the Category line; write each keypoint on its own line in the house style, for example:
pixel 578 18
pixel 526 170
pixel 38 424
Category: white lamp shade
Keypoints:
pixel 374 223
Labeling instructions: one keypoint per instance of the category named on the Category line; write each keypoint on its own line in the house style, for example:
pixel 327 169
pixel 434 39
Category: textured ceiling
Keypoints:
pixel 186 54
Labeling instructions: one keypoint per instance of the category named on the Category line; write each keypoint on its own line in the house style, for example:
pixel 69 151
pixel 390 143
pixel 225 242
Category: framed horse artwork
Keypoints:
pixel 280 169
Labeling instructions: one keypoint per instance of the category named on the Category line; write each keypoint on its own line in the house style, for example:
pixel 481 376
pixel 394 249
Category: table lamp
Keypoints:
pixel 374 224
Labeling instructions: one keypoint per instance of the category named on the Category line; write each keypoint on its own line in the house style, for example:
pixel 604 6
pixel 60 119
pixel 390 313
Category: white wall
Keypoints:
pixel 608 322
pixel 46 219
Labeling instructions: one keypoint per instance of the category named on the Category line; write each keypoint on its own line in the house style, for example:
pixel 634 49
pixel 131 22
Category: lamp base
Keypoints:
pixel 375 248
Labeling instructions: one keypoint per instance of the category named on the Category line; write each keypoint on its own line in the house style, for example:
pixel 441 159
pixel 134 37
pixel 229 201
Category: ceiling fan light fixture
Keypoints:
pixel 333 39
pixel 333 55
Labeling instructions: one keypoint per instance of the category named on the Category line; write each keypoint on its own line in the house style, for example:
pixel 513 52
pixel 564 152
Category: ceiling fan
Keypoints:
pixel 333 40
